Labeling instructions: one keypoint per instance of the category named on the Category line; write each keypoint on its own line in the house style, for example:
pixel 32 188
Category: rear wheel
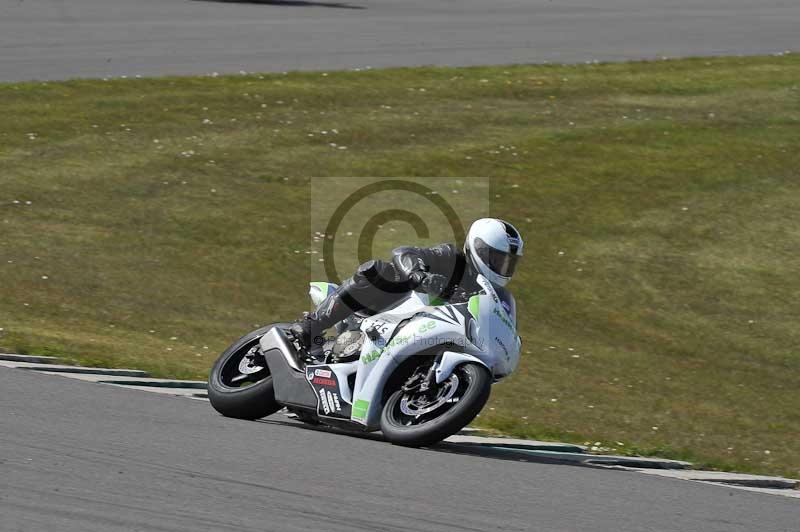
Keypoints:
pixel 240 384
pixel 413 417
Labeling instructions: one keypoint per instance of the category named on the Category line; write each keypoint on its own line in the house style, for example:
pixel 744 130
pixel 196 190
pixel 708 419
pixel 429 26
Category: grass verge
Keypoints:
pixel 149 222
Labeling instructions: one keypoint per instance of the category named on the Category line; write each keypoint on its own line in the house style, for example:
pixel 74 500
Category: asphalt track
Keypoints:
pixel 57 39
pixel 77 456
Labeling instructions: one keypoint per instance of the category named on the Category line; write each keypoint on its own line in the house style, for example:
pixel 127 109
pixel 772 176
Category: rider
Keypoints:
pixel 492 249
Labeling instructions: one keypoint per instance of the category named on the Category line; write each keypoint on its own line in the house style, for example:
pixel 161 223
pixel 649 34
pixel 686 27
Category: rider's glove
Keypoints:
pixel 434 284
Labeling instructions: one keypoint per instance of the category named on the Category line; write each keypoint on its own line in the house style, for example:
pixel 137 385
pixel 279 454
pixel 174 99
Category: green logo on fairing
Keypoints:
pixel 503 318
pixel 360 408
pixel 371 356
pixel 427 326
pixel 375 354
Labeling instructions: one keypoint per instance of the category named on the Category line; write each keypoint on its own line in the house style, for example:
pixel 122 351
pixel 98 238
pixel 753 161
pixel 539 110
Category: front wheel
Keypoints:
pixel 414 418
pixel 240 384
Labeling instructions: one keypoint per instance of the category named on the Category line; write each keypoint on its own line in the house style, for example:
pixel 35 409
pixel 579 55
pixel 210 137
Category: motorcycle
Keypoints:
pixel 418 372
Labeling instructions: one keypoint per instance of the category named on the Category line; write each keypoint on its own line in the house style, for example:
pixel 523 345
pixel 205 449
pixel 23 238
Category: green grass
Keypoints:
pixel 659 296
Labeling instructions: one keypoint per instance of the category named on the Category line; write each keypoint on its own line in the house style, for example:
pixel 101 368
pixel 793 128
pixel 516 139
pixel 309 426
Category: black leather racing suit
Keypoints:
pixel 378 284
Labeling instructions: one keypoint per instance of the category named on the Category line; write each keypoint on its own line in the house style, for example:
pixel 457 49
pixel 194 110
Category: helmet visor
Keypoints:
pixel 500 262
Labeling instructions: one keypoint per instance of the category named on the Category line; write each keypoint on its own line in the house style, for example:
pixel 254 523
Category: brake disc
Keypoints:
pixel 419 405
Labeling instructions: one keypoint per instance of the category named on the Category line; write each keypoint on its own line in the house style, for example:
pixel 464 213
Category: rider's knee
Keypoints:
pixel 378 274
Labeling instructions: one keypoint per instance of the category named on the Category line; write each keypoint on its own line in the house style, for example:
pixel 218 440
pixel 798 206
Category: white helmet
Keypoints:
pixel 493 248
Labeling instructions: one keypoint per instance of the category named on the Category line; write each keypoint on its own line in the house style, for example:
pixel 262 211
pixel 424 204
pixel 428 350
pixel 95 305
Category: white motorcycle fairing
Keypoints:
pixel 482 331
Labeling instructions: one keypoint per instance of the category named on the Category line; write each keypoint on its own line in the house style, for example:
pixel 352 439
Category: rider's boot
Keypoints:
pixel 331 311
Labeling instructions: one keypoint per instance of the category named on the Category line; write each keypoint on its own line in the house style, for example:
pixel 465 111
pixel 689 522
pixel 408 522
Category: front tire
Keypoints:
pixel 240 385
pixel 407 420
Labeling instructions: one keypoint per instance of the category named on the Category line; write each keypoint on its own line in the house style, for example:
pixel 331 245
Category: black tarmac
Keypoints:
pixel 81 457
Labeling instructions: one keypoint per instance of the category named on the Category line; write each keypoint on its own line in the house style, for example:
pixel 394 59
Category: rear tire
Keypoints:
pixel 401 429
pixel 253 401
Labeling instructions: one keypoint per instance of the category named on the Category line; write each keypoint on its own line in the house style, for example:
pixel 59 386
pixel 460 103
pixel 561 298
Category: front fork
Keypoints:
pixel 430 378
pixel 420 383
